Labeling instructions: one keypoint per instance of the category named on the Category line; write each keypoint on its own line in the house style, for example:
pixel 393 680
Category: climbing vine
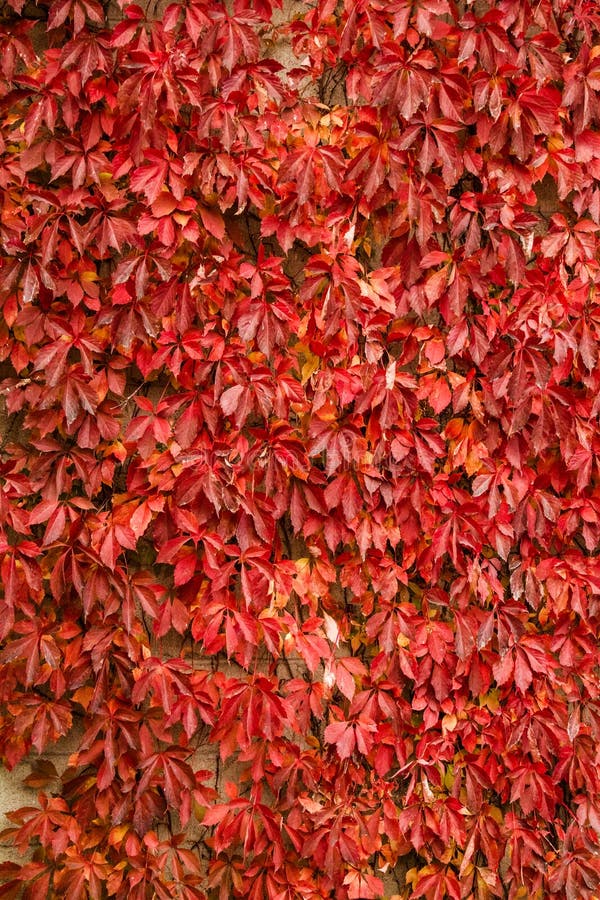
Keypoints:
pixel 299 485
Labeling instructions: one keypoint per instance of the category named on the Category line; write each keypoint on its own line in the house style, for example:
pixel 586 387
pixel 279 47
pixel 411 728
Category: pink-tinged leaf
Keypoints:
pixel 230 399
pixel 440 396
pixel 588 347
pixel 58 12
pixel 503 669
pixel 164 204
pixel 523 673
pixel 150 178
pixel 463 637
pixel 140 519
pixel 364 536
pixel 30 284
pixel 109 550
pixel 363 886
pixel 442 539
pixel 587 146
pixel 122 33
pixel 486 631
pixel 345 670
pixel 342 735
pixel 55 526
pixel 42 511
pixel 457 338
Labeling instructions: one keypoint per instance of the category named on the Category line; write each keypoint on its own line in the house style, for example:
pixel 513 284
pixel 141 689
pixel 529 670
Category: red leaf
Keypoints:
pixel 342 735
pixel 212 221
pixel 230 398
pixel 185 568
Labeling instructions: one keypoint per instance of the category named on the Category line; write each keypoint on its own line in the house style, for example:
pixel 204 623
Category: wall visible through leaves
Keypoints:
pixel 299 453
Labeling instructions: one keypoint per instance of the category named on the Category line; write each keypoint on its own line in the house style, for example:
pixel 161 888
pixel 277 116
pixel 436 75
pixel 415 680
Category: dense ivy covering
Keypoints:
pixel 299 485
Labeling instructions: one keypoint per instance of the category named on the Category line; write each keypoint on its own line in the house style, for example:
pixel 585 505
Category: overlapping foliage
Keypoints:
pixel 300 373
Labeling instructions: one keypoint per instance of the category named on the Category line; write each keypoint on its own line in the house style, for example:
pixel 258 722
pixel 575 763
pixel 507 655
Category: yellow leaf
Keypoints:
pixel 555 142
pixel 117 834
pixel 83 696
pixel 496 814
pixel 199 811
pixel 411 876
pixel 310 365
pixel 449 722
pixel 490 700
